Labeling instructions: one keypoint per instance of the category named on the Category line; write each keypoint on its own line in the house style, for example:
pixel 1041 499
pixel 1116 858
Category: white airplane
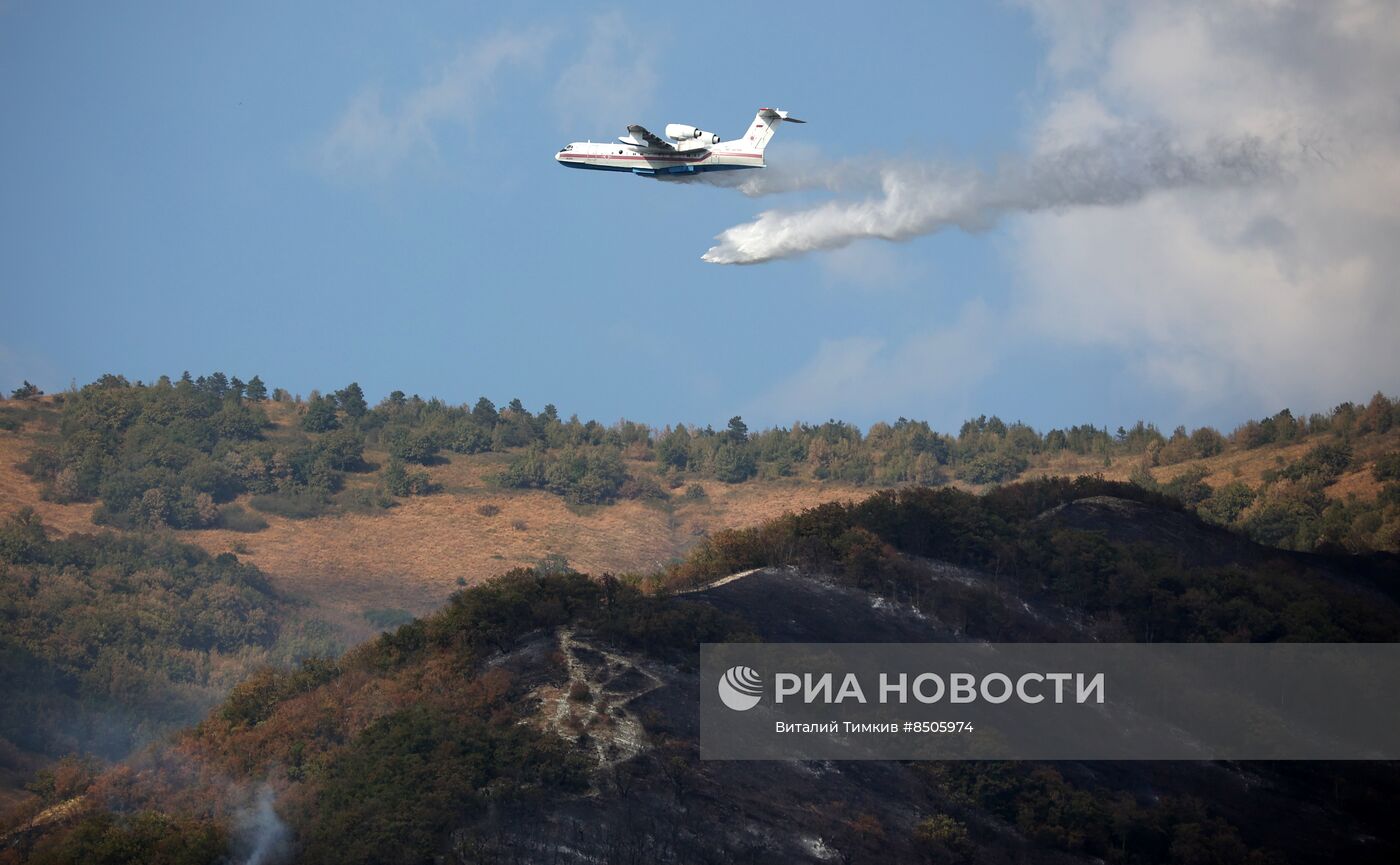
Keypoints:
pixel 647 155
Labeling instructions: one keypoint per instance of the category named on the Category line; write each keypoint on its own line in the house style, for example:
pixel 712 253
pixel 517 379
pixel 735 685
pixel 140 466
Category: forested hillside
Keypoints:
pixel 545 716
pixel 109 641
pixel 164 540
pixel 205 452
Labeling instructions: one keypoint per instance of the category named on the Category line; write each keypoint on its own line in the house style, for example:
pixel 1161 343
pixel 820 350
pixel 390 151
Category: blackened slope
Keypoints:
pixel 1199 544
pixel 786 605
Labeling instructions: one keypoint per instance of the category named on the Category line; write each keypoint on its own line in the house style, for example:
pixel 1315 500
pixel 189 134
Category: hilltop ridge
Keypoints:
pixel 363 508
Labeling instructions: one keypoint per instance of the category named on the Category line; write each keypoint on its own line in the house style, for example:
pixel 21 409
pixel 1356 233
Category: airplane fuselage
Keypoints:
pixel 601 156
pixel 645 153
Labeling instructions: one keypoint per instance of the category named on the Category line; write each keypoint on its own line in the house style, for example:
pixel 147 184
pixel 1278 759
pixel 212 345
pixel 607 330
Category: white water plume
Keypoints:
pixel 921 198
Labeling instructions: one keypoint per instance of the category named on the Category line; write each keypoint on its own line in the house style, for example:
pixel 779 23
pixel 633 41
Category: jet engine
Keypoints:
pixel 681 132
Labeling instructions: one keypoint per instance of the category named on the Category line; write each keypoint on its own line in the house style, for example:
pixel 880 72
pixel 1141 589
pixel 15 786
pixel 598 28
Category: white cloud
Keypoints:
pixel 868 377
pixel 1076 30
pixel 614 78
pixel 376 134
pixel 1212 193
pixel 1277 294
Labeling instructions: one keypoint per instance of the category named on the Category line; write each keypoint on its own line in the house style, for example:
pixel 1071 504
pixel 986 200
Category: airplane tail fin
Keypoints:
pixel 765 123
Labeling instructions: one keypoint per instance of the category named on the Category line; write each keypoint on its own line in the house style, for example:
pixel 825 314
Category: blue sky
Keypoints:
pixel 325 192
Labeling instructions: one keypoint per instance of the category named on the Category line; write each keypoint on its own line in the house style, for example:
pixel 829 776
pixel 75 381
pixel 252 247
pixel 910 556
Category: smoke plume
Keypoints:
pixel 261 836
pixel 915 199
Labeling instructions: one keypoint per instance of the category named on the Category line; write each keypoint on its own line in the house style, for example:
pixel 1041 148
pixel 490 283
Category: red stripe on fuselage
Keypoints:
pixel 658 157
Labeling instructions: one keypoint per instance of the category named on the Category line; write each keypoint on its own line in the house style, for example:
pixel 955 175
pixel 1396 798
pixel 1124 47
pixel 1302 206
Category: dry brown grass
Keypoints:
pixel 1248 466
pixel 18 490
pixel 412 555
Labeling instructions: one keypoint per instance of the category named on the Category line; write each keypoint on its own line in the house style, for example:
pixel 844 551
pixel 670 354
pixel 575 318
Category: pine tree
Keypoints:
pixel 738 430
pixel 352 400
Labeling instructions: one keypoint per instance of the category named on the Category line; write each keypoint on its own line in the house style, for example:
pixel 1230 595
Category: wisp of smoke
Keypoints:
pixel 261 835
pixel 800 170
pixel 919 198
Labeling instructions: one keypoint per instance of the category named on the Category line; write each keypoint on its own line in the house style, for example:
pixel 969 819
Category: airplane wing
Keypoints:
pixel 642 134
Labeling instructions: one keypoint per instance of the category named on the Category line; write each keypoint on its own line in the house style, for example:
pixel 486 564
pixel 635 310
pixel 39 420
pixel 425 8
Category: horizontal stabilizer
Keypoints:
pixel 771 114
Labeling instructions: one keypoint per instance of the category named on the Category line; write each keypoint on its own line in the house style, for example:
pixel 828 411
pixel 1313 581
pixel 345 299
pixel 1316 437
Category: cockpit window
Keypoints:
pixel 566 147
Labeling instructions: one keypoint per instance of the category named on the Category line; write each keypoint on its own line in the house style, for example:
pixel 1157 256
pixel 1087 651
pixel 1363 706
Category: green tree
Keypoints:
pixel 399 481
pixel 320 415
pixel 411 445
pixel 352 401
pixel 1227 503
pixel 673 448
pixel 732 464
pixel 485 414
pixel 1207 442
pixel 738 430
pixel 217 384
pixel 255 389
pixel 1387 467
pixel 26 391
pixel 340 449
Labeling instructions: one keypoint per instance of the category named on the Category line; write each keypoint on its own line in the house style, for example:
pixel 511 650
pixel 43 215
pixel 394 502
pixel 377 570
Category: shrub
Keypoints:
pixel 468 438
pixel 1227 503
pixel 387 618
pixel 365 500
pixel 991 468
pixel 1189 487
pixel 295 505
pixel 488 509
pixel 341 449
pixel 151 837
pixel 387 796
pixel 733 463
pixel 320 415
pixel 1387 468
pixel 254 700
pixel 399 481
pixel 941 838
pixel 582 475
pixel 1287 524
pixel 642 487
pixel 26 391
pixel 235 518
pixel 1325 461
pixel 412 446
